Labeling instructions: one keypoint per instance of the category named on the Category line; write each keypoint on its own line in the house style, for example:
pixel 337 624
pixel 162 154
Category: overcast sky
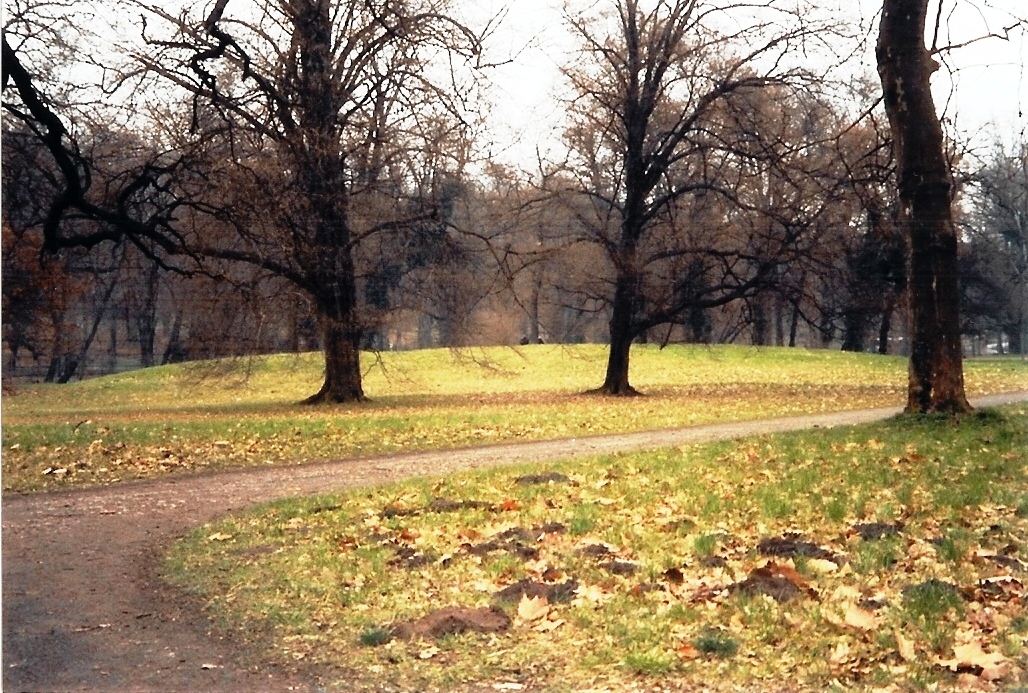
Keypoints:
pixel 984 87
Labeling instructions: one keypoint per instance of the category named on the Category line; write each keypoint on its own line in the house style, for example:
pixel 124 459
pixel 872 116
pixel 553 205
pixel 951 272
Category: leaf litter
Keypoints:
pixel 863 599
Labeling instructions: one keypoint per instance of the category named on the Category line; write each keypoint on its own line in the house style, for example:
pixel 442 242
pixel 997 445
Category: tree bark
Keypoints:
pixel 621 335
pixel 340 343
pixel 886 327
pixel 905 66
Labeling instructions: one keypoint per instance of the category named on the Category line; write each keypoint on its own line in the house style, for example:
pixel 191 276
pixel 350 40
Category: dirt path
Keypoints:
pixel 83 610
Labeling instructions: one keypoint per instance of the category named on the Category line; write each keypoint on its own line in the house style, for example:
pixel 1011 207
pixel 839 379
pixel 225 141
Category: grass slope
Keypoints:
pixel 877 558
pixel 245 412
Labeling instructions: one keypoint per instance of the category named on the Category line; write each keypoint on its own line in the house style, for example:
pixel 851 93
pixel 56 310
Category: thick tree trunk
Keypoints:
pixel 621 336
pixel 854 330
pixel 340 343
pixel 1015 334
pixel 936 379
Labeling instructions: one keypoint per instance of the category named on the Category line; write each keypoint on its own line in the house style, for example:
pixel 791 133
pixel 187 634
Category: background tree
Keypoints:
pixel 996 280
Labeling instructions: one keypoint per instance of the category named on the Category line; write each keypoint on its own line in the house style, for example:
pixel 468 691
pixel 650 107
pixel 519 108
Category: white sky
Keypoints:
pixel 985 95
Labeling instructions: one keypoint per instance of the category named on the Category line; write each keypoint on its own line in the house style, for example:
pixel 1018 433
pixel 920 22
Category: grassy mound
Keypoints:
pixel 246 412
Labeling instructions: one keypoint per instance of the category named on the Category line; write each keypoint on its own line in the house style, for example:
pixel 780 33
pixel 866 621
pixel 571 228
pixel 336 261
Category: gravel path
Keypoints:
pixel 83 609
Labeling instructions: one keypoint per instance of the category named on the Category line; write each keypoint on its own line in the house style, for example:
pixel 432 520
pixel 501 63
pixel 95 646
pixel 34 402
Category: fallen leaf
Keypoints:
pixel 905 647
pixel 990 666
pixel 995 672
pixel 533 608
pixel 688 651
pixel 846 593
pixel 428 653
pixel 548 626
pixel 589 594
pixel 969 682
pixel 821 565
pixel 219 536
pixel 840 654
pixel 861 619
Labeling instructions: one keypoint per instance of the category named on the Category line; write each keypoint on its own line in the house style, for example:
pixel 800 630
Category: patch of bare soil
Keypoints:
pixel 84 608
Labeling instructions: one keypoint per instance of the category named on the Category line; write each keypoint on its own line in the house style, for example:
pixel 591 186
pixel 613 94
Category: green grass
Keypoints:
pixel 319 579
pixel 244 412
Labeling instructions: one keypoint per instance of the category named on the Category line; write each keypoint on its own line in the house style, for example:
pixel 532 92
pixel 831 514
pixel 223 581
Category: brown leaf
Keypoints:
pixel 674 576
pixel 688 651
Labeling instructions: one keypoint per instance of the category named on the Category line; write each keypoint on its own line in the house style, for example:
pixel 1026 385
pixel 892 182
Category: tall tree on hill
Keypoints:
pixel 906 65
pixel 322 110
pixel 305 123
pixel 664 116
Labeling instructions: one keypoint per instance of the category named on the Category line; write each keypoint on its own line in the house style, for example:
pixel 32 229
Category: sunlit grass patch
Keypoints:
pixel 194 417
pixel 623 571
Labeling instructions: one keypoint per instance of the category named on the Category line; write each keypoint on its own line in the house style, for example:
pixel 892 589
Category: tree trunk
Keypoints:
pixel 936 378
pixel 760 334
pixel 534 336
pixel 1014 333
pixel 886 327
pixel 621 335
pixel 173 351
pixel 340 342
pixel 794 323
pixel 854 330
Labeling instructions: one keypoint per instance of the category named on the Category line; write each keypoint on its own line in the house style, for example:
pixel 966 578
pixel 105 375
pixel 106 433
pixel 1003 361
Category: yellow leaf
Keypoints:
pixel 846 593
pixel 219 536
pixel 533 608
pixel 861 619
pixel 840 654
pixel 971 655
pixel 548 626
pixel 905 647
pixel 589 593
pixel 821 565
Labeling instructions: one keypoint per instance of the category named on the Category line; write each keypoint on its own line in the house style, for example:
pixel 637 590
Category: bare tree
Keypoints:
pixel 663 119
pixel 999 244
pixel 906 65
pixel 306 124
pixel 319 109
